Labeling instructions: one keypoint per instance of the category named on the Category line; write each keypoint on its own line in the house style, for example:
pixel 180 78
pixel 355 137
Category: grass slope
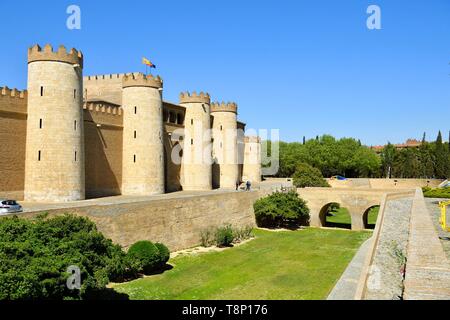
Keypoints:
pixel 341 218
pixel 276 265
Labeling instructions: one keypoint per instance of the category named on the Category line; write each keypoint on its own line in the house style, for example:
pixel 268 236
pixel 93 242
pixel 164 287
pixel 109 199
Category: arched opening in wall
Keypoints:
pixel 172 167
pixel 370 217
pixel 333 215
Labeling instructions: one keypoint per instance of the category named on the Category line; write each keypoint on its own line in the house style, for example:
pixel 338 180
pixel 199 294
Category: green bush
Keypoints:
pixel 224 236
pixel 164 254
pixel 308 176
pixel 281 210
pixel 35 256
pixel 241 234
pixel 145 256
pixel 436 193
pixel 208 237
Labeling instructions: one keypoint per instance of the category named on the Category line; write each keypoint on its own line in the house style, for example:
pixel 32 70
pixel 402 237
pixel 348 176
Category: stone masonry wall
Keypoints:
pixel 175 221
pixel 13 130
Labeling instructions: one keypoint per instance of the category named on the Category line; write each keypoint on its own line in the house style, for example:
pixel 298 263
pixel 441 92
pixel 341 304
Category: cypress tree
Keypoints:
pixel 441 158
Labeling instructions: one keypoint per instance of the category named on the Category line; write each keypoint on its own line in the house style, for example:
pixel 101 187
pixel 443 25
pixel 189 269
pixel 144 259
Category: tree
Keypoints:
pixel 387 159
pixel 441 154
pixel 307 176
pixel 346 157
pixel 426 159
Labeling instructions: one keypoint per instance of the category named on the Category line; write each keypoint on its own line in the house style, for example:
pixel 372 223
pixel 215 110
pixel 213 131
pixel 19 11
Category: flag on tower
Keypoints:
pixel 148 63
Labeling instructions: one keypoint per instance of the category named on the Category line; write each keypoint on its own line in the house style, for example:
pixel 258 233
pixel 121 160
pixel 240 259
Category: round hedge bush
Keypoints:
pixel 145 255
pixel 308 176
pixel 281 210
pixel 164 254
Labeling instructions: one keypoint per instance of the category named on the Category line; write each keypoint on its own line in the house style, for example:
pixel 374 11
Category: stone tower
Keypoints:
pixel 143 149
pixel 252 160
pixel 54 162
pixel 197 152
pixel 225 147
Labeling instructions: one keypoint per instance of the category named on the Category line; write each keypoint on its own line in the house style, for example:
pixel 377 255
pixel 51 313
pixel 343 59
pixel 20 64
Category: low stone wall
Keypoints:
pixel 381 276
pixel 405 230
pixel 385 183
pixel 176 221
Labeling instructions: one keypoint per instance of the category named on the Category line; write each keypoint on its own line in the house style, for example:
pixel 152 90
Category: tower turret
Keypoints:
pixel 54 162
pixel 143 149
pixel 225 152
pixel 252 160
pixel 197 159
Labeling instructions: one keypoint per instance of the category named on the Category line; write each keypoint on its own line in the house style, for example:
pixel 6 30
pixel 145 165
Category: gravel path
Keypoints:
pixel 386 281
pixel 435 212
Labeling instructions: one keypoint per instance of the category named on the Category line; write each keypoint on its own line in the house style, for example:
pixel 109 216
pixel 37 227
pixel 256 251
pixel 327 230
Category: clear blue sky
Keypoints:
pixel 304 67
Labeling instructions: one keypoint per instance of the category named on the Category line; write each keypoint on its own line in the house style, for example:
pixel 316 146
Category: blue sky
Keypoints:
pixel 304 67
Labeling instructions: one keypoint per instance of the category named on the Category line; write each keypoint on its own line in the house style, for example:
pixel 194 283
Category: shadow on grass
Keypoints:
pixel 107 294
pixel 338 225
pixel 292 225
pixel 165 268
pixel 370 226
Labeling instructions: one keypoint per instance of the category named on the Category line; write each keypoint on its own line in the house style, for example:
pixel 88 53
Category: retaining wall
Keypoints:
pixel 176 221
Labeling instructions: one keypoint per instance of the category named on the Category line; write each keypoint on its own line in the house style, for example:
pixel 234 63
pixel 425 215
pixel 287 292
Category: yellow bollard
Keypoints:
pixel 443 219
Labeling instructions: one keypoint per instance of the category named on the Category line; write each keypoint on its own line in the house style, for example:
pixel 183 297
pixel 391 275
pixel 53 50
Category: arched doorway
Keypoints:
pixel 333 215
pixel 370 217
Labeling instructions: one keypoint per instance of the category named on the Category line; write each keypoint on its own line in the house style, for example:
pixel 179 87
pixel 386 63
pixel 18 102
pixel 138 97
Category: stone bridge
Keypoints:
pixel 357 201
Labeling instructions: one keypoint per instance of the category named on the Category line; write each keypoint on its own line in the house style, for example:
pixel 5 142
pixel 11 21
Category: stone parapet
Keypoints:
pixel 36 53
pixel 142 80
pixel 186 97
pixel 252 139
pixel 224 107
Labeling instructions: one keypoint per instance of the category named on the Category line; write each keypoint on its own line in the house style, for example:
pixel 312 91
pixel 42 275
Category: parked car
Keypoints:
pixel 9 206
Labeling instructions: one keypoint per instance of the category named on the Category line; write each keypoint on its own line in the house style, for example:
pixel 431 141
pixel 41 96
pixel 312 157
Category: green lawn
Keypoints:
pixel 341 218
pixel 302 264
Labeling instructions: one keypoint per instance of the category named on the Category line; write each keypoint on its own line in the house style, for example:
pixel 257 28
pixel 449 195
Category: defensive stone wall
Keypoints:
pixel 176 221
pixel 13 129
pixel 103 148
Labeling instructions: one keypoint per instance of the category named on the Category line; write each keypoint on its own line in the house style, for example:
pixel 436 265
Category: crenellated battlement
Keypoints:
pixel 186 97
pixel 142 80
pixel 102 108
pixel 252 139
pixel 13 100
pixel 101 113
pixel 112 76
pixel 36 53
pixel 224 107
pixel 13 93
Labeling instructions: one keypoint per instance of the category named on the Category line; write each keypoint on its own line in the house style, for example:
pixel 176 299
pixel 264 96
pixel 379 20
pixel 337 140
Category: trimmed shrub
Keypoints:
pixel 145 256
pixel 164 254
pixel 308 176
pixel 224 236
pixel 443 193
pixel 281 210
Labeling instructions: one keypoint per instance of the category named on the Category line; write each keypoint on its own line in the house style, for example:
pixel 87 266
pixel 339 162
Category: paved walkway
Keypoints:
pixel 427 269
pixel 345 288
